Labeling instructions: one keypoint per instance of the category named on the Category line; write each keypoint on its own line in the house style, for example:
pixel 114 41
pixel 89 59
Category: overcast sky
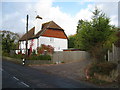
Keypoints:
pixel 65 13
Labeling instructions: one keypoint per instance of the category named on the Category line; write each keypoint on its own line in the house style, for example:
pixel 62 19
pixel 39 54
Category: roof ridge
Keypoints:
pixel 57 25
pixel 49 24
pixel 46 28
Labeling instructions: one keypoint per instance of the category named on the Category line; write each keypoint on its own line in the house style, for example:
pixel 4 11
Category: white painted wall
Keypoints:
pixel 58 43
pixel 22 47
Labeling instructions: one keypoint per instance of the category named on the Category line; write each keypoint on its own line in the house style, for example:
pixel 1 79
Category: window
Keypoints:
pixel 51 39
pixel 58 48
pixel 22 42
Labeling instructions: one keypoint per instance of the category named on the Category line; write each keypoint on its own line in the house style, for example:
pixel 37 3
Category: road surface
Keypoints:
pixel 18 76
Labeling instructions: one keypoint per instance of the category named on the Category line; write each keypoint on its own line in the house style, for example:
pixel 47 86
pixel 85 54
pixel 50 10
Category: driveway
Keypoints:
pixel 74 70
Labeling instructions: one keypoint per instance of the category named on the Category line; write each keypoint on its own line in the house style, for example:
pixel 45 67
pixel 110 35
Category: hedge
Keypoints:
pixel 102 68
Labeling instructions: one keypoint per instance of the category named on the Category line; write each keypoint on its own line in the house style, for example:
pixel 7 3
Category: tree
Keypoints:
pixel 71 41
pixel 95 36
pixel 9 41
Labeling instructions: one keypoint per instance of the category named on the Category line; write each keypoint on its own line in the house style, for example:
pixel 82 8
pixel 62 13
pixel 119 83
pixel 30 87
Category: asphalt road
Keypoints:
pixel 18 76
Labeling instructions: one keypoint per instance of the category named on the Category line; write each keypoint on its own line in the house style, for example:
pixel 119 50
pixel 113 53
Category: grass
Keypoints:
pixel 98 82
pixel 102 69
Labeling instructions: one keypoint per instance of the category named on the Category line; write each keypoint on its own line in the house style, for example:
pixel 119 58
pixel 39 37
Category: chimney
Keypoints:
pixel 38 24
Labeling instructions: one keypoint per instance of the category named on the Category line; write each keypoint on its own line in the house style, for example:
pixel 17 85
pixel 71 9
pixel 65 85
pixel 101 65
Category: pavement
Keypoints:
pixel 18 76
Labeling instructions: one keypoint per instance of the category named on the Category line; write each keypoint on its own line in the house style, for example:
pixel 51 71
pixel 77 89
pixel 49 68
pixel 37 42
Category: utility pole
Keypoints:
pixel 27 37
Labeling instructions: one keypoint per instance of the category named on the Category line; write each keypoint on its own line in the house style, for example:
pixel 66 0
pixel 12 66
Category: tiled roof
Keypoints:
pixel 54 33
pixel 53 25
pixel 29 35
pixel 49 29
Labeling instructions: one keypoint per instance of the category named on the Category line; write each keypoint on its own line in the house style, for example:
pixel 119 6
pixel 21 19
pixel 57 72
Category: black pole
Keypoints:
pixel 27 37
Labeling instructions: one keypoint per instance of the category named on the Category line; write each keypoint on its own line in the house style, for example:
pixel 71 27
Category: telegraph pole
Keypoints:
pixel 27 37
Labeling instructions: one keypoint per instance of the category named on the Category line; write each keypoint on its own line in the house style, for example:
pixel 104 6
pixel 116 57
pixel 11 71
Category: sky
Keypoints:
pixel 65 13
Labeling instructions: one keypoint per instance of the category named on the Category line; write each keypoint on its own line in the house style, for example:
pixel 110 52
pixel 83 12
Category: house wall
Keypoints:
pixel 58 43
pixel 22 46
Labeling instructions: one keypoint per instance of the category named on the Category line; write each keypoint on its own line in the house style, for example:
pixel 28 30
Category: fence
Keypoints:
pixel 70 56
pixel 114 55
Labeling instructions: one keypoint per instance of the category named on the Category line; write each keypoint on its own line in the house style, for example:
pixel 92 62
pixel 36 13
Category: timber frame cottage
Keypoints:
pixel 48 33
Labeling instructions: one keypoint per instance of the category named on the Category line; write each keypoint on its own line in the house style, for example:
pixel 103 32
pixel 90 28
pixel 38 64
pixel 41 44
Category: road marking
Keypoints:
pixel 1 69
pixel 25 84
pixel 16 78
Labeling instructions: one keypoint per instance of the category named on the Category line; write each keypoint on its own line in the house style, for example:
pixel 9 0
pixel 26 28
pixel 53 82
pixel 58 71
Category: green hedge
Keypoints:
pixel 32 57
pixel 102 68
pixel 40 57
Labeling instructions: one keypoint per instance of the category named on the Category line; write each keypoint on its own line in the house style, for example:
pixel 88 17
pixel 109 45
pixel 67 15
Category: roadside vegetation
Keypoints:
pixel 10 44
pixel 9 41
pixel 96 37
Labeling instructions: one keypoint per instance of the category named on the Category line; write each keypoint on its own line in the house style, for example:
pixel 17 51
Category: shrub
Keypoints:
pixel 33 57
pixel 118 79
pixel 5 54
pixel 34 52
pixel 40 57
pixel 48 48
pixel 102 68
pixel 18 56
pixel 44 57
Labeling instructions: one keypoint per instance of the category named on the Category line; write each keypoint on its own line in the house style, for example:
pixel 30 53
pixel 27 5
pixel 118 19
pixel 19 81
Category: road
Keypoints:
pixel 18 76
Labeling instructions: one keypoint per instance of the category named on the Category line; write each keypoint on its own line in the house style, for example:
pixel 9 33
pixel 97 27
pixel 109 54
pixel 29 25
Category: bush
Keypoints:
pixel 118 79
pixel 18 56
pixel 33 57
pixel 34 52
pixel 5 54
pixel 40 57
pixel 43 48
pixel 102 68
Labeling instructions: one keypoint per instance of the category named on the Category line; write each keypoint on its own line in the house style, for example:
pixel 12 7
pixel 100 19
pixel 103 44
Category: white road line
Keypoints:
pixel 1 69
pixel 16 78
pixel 25 84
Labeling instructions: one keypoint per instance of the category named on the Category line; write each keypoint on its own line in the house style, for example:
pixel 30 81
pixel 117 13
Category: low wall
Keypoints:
pixel 70 56
pixel 37 62
pixel 29 62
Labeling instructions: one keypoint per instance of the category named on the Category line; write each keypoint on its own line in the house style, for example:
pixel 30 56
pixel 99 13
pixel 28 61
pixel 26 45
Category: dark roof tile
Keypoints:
pixel 52 28
pixel 30 34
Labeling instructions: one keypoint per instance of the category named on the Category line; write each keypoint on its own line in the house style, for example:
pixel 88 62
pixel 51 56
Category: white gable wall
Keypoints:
pixel 22 45
pixel 58 43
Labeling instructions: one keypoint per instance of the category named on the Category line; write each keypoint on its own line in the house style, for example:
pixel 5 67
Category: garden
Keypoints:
pixel 44 52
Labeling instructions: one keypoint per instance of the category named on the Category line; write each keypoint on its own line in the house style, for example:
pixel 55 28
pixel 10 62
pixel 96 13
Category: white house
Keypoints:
pixel 48 33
